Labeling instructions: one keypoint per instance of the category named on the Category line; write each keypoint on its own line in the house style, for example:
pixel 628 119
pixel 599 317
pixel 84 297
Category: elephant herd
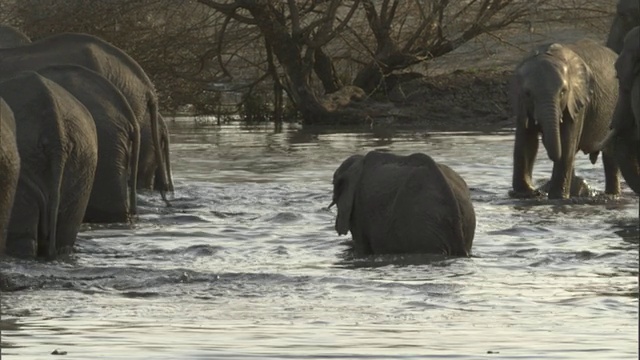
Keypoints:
pixel 80 134
pixel 578 96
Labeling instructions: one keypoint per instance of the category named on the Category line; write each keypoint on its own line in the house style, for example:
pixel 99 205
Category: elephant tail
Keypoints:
pixel 167 162
pixel 51 220
pixel 133 167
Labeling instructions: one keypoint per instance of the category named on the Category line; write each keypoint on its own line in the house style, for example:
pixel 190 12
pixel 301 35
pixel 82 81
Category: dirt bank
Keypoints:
pixel 461 99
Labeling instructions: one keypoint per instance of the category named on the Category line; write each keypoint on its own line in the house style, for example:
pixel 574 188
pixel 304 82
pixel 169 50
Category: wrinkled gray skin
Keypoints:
pixel 9 168
pixel 627 16
pixel 11 37
pixel 113 197
pixel 624 138
pixel 403 204
pixel 164 146
pixel 119 68
pixel 568 93
pixel 579 187
pixel 58 151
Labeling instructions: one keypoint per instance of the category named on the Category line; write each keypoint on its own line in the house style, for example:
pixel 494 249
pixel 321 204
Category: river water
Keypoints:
pixel 246 265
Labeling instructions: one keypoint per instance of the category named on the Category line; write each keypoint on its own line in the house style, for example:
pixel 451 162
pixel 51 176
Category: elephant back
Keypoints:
pixel 407 204
pixel 11 37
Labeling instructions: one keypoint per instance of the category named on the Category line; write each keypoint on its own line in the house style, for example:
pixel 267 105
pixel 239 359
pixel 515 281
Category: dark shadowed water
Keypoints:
pixel 247 265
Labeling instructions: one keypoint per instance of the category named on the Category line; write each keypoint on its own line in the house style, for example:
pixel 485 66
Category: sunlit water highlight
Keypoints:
pixel 246 265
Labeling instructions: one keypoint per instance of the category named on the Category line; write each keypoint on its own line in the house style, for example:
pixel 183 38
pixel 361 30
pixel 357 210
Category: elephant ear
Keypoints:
pixel 345 182
pixel 580 85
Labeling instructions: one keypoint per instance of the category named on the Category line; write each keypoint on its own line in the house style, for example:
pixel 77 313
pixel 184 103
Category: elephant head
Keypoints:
pixel 550 82
pixel 627 16
pixel 403 204
pixel 579 187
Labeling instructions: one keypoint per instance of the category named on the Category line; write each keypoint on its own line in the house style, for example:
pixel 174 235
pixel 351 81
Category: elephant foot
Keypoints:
pixel 526 194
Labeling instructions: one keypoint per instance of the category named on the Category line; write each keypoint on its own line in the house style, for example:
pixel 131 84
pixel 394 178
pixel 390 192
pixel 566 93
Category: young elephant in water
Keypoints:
pixel 403 204
pixel 567 92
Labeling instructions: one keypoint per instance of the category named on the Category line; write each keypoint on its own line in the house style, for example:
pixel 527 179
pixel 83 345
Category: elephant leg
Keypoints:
pixel 611 174
pixel 562 174
pixel 27 221
pixel 625 152
pixel 560 184
pixel 635 109
pixel 524 156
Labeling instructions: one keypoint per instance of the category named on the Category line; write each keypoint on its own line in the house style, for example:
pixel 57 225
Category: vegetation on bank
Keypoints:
pixel 328 61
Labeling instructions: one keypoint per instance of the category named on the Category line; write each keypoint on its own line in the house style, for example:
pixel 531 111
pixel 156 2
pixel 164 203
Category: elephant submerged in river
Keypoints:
pixel 568 93
pixel 579 187
pixel 9 168
pixel 57 144
pixel 624 138
pixel 113 196
pixel 403 204
pixel 121 70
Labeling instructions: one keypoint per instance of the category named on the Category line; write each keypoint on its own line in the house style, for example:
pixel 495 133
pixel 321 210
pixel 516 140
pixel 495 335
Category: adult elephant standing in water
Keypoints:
pixel 9 168
pixel 119 68
pixel 113 196
pixel 624 137
pixel 58 150
pixel 403 204
pixel 568 93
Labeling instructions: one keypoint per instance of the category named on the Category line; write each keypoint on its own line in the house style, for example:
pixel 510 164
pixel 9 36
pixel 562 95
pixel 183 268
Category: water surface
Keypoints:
pixel 246 265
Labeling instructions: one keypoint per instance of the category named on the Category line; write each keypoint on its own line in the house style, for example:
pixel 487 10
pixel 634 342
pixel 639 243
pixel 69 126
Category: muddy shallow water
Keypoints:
pixel 246 264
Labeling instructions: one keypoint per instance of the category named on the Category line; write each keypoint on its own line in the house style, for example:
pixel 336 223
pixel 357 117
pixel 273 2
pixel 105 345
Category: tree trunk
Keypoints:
pixel 323 67
pixel 288 52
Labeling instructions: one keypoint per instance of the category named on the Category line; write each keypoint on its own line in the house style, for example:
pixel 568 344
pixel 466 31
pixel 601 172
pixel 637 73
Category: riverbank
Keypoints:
pixel 461 99
pixel 468 88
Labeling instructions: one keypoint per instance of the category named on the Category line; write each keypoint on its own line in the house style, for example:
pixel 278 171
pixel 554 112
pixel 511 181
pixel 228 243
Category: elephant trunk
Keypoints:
pixel 549 118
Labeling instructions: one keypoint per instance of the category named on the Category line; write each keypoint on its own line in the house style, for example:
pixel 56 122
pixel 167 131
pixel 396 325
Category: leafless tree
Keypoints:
pixel 173 40
pixel 201 52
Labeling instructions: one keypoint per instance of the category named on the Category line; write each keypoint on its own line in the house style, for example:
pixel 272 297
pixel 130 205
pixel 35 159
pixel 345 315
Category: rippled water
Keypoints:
pixel 246 264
